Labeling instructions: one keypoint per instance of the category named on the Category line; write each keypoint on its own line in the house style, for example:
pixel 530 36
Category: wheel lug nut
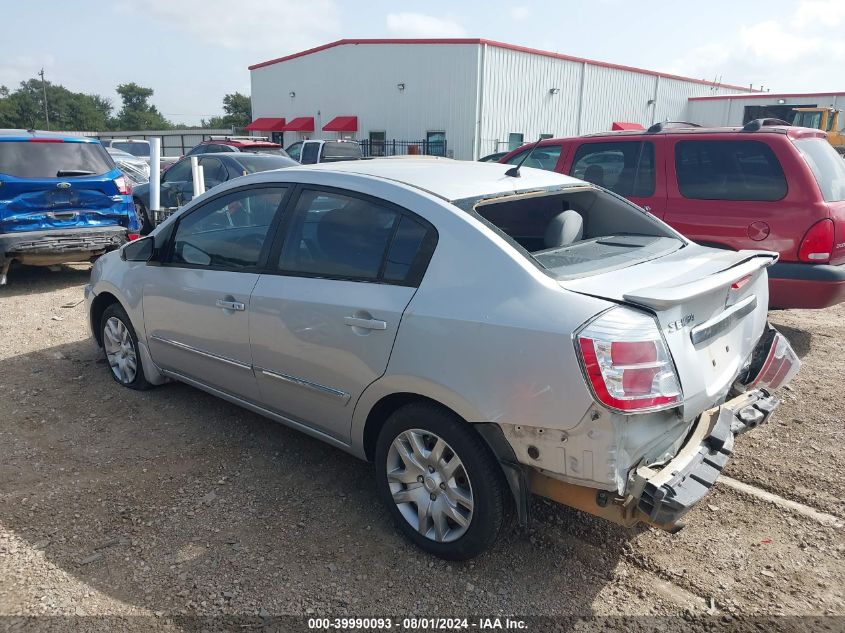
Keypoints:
pixel 431 469
pixel 420 478
pixel 442 486
pixel 433 496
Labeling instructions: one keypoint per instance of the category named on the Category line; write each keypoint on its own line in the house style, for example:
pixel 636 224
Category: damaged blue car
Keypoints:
pixel 62 200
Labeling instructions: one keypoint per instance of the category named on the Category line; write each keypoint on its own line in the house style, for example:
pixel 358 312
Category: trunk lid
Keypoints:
pixel 58 185
pixel 711 308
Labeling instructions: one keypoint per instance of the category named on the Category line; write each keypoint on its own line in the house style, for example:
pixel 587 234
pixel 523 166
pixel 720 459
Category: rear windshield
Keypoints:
pixel 25 159
pixel 340 151
pixel 576 231
pixel 827 165
pixel 136 149
pixel 264 162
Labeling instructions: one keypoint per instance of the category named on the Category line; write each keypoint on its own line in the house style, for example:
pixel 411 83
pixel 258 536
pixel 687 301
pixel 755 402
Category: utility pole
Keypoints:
pixel 44 88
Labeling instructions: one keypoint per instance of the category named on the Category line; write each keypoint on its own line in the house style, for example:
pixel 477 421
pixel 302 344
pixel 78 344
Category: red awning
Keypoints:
pixel 622 125
pixel 300 124
pixel 342 124
pixel 264 124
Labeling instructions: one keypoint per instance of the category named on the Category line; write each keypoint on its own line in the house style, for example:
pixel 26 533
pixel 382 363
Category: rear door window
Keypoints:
pixel 340 236
pixel 827 165
pixel 27 159
pixel 625 167
pixel 729 170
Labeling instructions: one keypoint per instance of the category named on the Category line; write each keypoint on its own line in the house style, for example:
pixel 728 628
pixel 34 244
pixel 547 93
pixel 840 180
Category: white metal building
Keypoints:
pixel 732 110
pixel 478 95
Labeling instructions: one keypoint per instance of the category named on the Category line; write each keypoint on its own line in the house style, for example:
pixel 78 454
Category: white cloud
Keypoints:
pixel 793 52
pixel 421 25
pixel 520 12
pixel 277 27
pixel 826 11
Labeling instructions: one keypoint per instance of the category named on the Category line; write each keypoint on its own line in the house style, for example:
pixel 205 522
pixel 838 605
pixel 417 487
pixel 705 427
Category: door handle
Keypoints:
pixel 230 305
pixel 367 324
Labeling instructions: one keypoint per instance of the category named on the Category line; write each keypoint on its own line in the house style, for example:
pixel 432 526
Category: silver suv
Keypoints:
pixel 479 335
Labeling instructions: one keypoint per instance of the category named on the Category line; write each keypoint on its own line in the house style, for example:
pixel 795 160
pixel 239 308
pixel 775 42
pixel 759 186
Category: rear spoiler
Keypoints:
pixel 664 297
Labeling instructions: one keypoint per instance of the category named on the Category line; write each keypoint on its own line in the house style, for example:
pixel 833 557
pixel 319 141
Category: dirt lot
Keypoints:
pixel 171 502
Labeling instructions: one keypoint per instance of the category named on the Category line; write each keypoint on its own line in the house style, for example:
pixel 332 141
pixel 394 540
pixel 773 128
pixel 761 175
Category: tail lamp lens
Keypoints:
pixel 627 364
pixel 817 244
pixel 123 186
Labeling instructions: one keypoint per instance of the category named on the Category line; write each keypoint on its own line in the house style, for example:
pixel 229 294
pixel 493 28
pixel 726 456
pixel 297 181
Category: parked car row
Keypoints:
pixel 177 183
pixel 763 186
pixel 480 332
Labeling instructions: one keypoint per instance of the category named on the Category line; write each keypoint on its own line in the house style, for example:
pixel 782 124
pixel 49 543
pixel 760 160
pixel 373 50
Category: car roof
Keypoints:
pixel 239 143
pixel 446 178
pixel 680 130
pixel 25 135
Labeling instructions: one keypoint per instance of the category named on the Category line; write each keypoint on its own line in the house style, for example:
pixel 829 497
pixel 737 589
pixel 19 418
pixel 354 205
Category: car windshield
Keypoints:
pixel 135 148
pixel 273 151
pixel 263 162
pixel 827 165
pixel 26 159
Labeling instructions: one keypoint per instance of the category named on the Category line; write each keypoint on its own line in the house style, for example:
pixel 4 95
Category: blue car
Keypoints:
pixel 62 200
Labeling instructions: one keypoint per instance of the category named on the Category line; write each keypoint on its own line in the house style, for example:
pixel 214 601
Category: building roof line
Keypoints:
pixel 512 47
pixel 770 95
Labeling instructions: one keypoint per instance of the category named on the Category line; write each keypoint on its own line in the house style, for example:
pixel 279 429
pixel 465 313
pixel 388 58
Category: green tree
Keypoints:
pixel 24 108
pixel 238 109
pixel 137 112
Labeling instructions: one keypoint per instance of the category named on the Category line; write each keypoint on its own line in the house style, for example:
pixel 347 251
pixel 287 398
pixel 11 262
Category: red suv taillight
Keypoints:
pixel 123 186
pixel 627 364
pixel 817 244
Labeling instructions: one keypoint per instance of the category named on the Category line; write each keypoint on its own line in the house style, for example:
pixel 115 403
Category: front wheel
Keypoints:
pixel 120 346
pixel 440 482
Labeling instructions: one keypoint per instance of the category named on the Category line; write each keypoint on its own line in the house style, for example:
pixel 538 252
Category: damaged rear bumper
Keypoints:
pixel 660 495
pixel 669 493
pixel 20 245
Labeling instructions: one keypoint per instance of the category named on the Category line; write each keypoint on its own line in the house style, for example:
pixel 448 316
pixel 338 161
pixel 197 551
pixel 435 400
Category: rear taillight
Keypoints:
pixel 781 364
pixel 627 364
pixel 123 186
pixel 817 244
pixel 133 236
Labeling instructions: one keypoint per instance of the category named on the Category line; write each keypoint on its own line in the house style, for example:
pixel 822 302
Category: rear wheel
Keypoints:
pixel 440 482
pixel 120 346
pixel 143 217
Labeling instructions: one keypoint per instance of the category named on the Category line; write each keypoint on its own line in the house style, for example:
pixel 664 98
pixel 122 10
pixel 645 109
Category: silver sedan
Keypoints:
pixel 480 333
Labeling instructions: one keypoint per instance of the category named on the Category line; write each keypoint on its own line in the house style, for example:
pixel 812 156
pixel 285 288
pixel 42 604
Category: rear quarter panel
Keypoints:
pixel 487 334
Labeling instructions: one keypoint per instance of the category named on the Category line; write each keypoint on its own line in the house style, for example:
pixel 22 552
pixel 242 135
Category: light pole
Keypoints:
pixel 44 88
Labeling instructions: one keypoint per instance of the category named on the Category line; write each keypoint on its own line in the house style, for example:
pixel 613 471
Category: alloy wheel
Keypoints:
pixel 429 485
pixel 120 351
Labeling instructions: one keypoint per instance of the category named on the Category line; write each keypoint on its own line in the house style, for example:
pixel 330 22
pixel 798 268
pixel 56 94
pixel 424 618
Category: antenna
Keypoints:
pixel 44 88
pixel 513 172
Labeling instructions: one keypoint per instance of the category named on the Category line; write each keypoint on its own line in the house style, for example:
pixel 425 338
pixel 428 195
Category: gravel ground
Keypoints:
pixel 172 503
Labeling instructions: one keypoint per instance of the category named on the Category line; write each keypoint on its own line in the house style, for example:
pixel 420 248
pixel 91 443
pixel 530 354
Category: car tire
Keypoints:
pixel 120 348
pixel 143 217
pixel 454 510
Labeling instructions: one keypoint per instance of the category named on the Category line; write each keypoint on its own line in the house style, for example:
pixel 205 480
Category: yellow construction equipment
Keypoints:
pixel 824 119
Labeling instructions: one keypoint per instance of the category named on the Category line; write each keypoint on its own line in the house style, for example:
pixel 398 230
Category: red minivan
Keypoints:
pixel 765 186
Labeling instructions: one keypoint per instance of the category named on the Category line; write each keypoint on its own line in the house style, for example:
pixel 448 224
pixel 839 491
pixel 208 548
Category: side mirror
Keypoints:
pixel 138 251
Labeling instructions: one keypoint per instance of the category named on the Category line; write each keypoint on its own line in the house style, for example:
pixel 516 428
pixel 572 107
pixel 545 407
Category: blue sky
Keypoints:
pixel 192 52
